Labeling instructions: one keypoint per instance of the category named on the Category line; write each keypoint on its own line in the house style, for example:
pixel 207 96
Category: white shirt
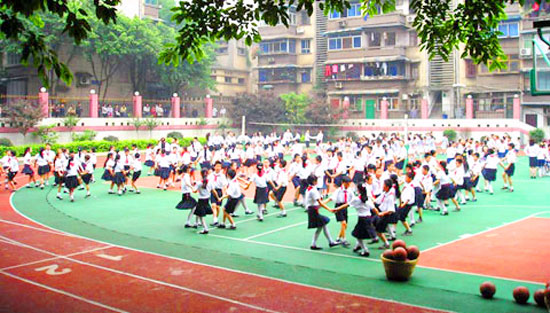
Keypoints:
pixel 260 182
pixel 386 202
pixel 218 180
pixel 234 189
pixel 407 194
pixel 204 191
pixel 186 186
pixel 342 195
pixel 312 195
pixel 363 208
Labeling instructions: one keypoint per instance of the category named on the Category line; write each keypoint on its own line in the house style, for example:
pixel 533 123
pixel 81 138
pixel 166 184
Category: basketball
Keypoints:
pixel 399 243
pixel 413 252
pixel 388 254
pixel 538 296
pixel 487 290
pixel 521 294
pixel 400 254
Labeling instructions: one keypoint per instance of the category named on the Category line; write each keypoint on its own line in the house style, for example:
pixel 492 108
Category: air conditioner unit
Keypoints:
pixel 338 85
pixel 410 18
pixel 343 24
pixel 300 30
pixel 84 80
pixel 271 60
pixel 524 52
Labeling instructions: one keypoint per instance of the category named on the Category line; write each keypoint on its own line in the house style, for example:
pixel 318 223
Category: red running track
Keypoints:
pixel 46 270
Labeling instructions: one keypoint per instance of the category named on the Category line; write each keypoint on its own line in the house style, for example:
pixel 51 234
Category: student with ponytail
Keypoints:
pixel 313 202
pixel 204 189
pixel 261 194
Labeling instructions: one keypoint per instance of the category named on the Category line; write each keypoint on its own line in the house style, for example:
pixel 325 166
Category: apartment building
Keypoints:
pixel 284 61
pixel 372 58
pixel 232 69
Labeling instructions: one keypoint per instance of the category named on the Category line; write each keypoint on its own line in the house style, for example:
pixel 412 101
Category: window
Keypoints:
pixel 222 50
pixel 306 76
pixel 355 102
pixel 384 69
pixel 349 71
pixel 334 15
pixel 281 75
pixel 512 65
pixel 374 39
pixel 13 58
pixel 413 39
pixel 228 80
pixel 393 103
pixel 471 69
pixel 241 51
pixel 508 30
pixel 354 10
pixel 278 46
pixel 389 39
pixel 292 18
pixel 350 42
pixel 262 76
pixel 151 2
pixel 306 43
pixel 241 81
pixel 306 20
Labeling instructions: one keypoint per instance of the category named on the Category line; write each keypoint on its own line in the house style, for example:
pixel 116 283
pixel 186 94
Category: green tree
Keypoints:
pixel 296 106
pixel 19 19
pixel 46 134
pixel 257 109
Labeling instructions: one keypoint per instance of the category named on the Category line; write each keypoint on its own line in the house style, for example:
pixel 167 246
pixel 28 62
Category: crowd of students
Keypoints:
pixel 385 179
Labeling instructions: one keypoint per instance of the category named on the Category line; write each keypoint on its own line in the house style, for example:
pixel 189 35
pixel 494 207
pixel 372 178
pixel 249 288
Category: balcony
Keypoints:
pixel 370 54
pixel 378 21
pixel 273 59
pixel 279 31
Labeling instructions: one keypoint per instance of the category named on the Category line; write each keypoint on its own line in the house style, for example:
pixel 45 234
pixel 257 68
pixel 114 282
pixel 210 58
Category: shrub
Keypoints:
pixel 87 135
pixel 175 135
pixel 46 134
pixel 5 142
pixel 111 138
pixel 537 135
pixel 450 134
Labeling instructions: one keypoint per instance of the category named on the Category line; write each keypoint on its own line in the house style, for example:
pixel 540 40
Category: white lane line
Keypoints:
pixel 220 267
pixel 30 226
pixel 146 279
pixel 68 294
pixel 273 231
pixel 52 258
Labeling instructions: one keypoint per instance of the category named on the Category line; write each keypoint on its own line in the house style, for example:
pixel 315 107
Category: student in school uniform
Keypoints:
pixel 149 159
pixel 71 176
pixel 127 160
pixel 541 159
pixel 119 178
pixel 86 169
pixel 233 195
pixel 475 167
pixel 490 167
pixel 187 202
pixel 203 208
pixel 162 168
pixel 386 213
pixel 261 194
pixel 27 167
pixel 219 183
pixel 43 165
pixel 407 200
pixel 136 168
pixel 13 169
pixel 281 186
pixel 364 228
pixel 342 196
pixel 109 170
pixel 444 182
pixel 457 176
pixel 532 152
pixel 59 172
pixel 509 168
pixel 313 202
pixel 4 169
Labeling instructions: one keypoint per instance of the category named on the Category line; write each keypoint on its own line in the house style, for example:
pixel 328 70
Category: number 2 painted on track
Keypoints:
pixel 52 270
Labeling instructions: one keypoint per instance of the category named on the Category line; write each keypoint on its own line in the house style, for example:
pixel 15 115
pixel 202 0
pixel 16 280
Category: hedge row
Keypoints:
pixel 100 146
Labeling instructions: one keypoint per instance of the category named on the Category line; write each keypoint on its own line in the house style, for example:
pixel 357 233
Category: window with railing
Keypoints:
pixel 508 29
pixel 344 42
pixel 384 69
pixel 348 71
pixel 277 75
pixel 278 46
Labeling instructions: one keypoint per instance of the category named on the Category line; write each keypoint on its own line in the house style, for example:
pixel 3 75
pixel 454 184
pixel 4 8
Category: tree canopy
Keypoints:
pixel 441 26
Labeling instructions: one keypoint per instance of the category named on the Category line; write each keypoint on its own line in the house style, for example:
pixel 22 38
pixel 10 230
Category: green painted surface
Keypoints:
pixel 279 247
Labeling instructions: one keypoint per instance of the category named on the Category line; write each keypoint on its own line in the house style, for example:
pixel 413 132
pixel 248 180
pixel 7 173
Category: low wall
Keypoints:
pixel 118 127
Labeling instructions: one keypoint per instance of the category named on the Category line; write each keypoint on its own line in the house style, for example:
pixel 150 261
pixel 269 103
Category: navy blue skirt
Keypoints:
pixel 86 178
pixel 136 175
pixel 44 169
pixel 213 198
pixel 71 182
pixel 533 162
pixel 149 163
pixel 107 176
pixel 490 174
pixel 187 202
pixel 341 215
pixel 403 212
pixel 314 219
pixel 444 192
pixel 164 172
pixel 119 178
pixel 27 170
pixel 231 204
pixel 261 195
pixel 382 222
pixel 510 170
pixel 203 208
pixel 363 229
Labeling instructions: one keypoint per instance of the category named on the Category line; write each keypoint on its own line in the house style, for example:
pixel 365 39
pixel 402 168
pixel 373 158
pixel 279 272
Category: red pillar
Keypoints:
pixel 94 104
pixel 517 108
pixel 424 109
pixel 137 104
pixel 43 102
pixel 469 108
pixel 209 105
pixel 175 106
pixel 345 107
pixel 384 109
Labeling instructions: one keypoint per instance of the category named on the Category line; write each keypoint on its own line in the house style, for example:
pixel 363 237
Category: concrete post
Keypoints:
pixel 424 109
pixel 209 105
pixel 384 109
pixel 469 107
pixel 175 106
pixel 94 104
pixel 43 102
pixel 517 108
pixel 137 104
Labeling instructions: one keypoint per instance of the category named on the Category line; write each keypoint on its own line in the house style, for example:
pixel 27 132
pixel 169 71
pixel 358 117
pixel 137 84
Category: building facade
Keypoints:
pixel 232 69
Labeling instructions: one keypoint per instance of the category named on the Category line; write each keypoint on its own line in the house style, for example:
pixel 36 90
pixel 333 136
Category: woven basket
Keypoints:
pixel 398 270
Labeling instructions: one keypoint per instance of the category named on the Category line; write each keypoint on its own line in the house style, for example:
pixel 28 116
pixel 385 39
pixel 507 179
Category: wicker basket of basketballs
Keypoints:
pixel 400 261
